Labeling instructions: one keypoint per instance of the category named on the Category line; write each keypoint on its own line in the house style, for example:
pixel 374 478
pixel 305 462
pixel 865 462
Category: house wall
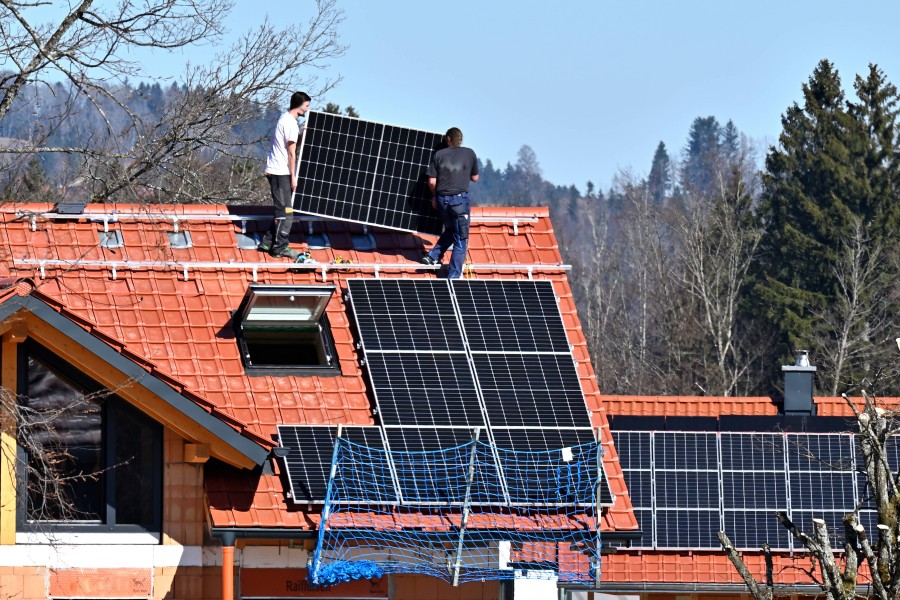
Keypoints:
pixel 178 568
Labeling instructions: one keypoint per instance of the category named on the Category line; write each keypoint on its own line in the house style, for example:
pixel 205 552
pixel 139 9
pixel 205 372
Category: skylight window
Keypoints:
pixel 283 329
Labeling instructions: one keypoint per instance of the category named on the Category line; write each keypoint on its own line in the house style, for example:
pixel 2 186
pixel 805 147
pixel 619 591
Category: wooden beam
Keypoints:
pixel 9 351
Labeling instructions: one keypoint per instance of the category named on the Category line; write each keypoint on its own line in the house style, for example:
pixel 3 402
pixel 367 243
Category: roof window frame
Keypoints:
pixel 277 321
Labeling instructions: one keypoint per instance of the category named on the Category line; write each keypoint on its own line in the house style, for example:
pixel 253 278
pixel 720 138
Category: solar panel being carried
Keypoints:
pixel 366 172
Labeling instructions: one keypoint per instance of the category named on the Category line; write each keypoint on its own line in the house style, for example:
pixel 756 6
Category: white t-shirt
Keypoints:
pixel 287 130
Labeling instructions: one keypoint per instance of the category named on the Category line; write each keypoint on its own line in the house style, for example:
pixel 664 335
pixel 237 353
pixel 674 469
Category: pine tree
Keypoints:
pixel 834 167
pixel 659 181
pixel 704 139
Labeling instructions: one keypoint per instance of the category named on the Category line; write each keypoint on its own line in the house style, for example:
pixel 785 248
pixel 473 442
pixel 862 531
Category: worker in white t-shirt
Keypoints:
pixel 281 172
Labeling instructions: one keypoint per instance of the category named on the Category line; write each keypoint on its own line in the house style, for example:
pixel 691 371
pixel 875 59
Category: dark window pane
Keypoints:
pixel 134 456
pixel 61 433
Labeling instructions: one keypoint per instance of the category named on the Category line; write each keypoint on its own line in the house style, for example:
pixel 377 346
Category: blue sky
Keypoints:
pixel 592 86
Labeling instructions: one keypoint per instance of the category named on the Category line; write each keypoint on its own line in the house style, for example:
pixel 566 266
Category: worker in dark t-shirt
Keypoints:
pixel 449 173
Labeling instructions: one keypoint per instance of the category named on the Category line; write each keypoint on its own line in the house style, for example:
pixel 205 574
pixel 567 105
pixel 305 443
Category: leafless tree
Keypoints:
pixel 853 328
pixel 46 426
pixel 718 237
pixel 837 570
pixel 193 153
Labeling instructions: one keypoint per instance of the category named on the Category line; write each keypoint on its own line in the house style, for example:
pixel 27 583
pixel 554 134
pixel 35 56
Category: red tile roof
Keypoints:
pixel 169 310
pixel 718 406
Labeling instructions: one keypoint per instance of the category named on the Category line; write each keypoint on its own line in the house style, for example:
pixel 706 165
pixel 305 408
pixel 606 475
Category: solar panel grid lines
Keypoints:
pixel 754 486
pixel 366 172
pixel 427 389
pixel 437 480
pixel 310 453
pixel 403 314
pixel 531 390
pixel 415 353
pixel 671 473
pixel 686 489
pixel 521 353
pixel 507 316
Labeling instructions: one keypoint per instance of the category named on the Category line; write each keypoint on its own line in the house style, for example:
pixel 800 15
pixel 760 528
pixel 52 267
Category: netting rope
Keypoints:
pixel 473 512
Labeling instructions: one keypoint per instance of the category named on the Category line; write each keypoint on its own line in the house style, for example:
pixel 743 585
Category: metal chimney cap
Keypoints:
pixel 802 363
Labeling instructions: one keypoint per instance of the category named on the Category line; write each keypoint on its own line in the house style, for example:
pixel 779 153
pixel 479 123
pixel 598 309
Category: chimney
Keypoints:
pixel 798 386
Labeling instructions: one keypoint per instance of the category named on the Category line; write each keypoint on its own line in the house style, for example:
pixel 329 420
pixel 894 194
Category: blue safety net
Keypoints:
pixel 467 513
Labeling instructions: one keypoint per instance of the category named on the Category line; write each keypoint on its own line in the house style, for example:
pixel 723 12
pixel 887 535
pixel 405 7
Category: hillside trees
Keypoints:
pixel 195 152
pixel 659 274
pixel 830 184
pixel 718 237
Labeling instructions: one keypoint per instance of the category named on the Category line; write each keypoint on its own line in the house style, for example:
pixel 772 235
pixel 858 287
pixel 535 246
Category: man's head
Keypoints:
pixel 454 137
pixel 300 100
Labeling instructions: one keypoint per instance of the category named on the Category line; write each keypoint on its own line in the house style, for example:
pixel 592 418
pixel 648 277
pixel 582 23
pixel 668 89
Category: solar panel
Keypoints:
pixel 310 452
pixel 424 389
pixel 488 354
pixel 752 529
pixel 449 467
pixel 366 172
pixel 706 481
pixel 405 314
pixel 415 354
pixel 521 353
pixel 533 390
pixel 510 316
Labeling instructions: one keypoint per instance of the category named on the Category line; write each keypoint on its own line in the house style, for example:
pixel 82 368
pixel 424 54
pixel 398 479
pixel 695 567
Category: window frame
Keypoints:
pixel 313 329
pixel 113 409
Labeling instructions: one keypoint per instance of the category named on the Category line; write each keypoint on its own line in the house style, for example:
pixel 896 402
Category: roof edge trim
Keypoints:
pixel 244 446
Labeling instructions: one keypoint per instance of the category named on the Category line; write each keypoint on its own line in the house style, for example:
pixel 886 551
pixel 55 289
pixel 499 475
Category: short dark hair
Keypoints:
pixel 455 136
pixel 298 98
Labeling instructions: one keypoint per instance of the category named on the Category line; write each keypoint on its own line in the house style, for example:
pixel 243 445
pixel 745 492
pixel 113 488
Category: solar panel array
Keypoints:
pixel 445 358
pixel 366 172
pixel 310 449
pixel 687 486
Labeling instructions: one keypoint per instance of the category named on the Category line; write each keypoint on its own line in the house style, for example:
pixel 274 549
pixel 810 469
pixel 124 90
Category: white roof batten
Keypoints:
pixel 254 267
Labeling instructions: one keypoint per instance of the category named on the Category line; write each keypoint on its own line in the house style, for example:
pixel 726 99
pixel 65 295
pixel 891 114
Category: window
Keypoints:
pixel 90 461
pixel 283 329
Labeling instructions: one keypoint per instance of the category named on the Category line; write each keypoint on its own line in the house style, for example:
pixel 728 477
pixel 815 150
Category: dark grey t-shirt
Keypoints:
pixel 453 168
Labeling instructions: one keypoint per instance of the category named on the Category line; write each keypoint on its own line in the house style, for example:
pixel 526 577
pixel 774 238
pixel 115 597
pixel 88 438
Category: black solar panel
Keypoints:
pixel 405 314
pixel 310 453
pixel 510 316
pixel 427 439
pixel 424 389
pixel 540 439
pixel 366 172
pixel 531 390
pixel 439 478
pixel 737 481
pixel 556 483
pixel 508 370
pixel 752 529
pixel 687 528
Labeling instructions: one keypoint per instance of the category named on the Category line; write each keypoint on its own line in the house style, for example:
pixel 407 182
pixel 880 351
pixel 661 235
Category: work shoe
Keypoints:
pixel 287 253
pixel 427 260
pixel 264 247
